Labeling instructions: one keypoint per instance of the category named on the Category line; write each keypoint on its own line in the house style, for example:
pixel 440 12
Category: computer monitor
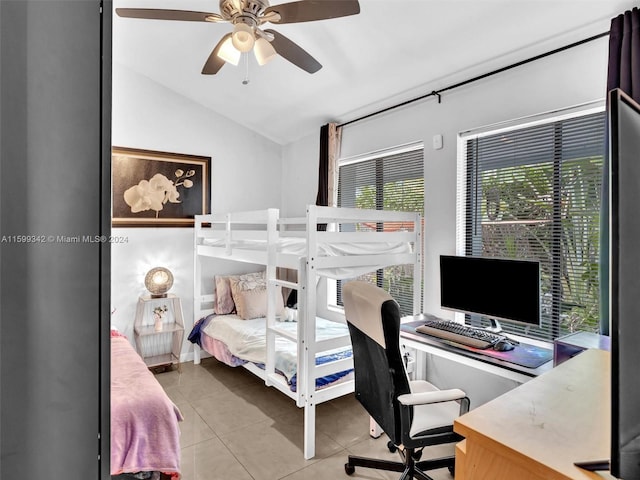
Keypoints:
pixel 497 288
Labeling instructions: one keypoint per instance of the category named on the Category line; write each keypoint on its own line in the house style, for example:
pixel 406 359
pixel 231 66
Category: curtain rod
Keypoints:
pixel 436 93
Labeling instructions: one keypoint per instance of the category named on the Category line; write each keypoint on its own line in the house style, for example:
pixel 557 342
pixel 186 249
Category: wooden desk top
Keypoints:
pixel 548 423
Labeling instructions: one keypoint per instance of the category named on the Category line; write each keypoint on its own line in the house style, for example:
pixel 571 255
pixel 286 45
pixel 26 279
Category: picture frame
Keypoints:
pixel 158 189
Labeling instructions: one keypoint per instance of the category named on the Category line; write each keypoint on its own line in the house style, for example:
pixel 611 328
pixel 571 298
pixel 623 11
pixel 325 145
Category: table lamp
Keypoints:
pixel 158 281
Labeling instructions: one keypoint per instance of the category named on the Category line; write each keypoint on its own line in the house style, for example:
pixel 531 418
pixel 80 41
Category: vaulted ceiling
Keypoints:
pixel 392 51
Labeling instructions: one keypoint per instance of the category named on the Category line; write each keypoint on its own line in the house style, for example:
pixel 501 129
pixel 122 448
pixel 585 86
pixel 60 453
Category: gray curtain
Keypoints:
pixel 624 73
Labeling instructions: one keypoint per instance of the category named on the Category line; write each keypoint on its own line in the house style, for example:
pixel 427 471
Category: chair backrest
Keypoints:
pixel 373 317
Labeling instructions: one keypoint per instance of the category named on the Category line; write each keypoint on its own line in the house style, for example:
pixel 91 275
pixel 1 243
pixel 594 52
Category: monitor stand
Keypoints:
pixel 594 465
pixel 495 326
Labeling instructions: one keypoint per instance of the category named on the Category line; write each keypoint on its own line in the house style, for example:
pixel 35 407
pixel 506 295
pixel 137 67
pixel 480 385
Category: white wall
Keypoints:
pixel 300 175
pixel 565 79
pixel 246 175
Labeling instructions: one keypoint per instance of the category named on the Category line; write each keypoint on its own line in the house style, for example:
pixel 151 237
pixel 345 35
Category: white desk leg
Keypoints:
pixel 420 368
pixel 374 429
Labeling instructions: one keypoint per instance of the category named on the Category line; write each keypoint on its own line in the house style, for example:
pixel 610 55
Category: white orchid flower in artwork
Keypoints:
pixel 151 194
pixel 160 183
pixel 142 197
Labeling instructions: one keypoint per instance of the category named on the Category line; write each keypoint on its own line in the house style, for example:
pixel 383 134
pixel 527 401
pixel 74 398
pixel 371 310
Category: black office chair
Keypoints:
pixel 413 413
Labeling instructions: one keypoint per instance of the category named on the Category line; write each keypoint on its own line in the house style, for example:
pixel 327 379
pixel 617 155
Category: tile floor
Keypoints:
pixel 236 427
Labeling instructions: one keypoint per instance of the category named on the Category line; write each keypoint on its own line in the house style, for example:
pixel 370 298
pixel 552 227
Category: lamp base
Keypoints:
pixel 161 295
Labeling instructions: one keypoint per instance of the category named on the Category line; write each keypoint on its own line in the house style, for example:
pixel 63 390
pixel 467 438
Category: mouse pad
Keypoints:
pixel 524 354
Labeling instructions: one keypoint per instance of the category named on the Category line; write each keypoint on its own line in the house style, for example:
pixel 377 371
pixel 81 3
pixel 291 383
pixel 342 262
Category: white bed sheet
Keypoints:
pixel 246 339
pixel 297 246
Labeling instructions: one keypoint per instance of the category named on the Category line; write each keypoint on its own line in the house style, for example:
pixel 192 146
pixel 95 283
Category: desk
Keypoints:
pixel 426 344
pixel 537 430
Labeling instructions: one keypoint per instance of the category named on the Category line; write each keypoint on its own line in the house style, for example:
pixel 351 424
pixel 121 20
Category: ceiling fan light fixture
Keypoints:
pixel 263 51
pixel 243 38
pixel 228 52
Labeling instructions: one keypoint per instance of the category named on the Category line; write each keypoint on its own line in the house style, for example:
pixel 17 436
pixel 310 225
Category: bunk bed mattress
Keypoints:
pixel 298 246
pixel 235 341
pixel 145 436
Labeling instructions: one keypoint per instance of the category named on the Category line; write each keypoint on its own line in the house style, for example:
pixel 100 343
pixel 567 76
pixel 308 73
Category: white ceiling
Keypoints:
pixel 392 51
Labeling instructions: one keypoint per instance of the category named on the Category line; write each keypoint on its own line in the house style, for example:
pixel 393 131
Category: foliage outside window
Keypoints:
pixel 388 181
pixel 535 193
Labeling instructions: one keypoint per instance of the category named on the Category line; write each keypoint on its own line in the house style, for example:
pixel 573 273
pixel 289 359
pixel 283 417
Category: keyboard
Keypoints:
pixel 459 333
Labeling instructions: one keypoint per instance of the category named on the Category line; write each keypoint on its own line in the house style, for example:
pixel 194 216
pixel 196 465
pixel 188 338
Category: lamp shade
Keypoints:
pixel 228 52
pixel 158 281
pixel 242 37
pixel 263 51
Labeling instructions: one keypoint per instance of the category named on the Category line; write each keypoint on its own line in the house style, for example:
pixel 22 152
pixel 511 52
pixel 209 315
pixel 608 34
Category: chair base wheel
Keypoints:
pixel 392 447
pixel 349 469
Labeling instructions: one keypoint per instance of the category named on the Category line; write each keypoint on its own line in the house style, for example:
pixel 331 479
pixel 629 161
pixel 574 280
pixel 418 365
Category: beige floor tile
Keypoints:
pixel 344 420
pixel 211 460
pixel 273 449
pixel 331 468
pixel 226 410
pixel 193 429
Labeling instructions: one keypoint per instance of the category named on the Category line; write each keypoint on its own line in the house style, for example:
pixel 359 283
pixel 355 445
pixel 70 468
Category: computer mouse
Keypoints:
pixel 503 346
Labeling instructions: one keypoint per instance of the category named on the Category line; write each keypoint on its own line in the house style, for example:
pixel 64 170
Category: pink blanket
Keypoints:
pixel 144 421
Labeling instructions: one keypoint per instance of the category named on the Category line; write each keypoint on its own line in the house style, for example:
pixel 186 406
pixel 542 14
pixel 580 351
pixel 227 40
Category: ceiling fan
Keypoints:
pixel 247 16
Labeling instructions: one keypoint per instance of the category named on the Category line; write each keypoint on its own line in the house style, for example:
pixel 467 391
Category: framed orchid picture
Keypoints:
pixel 158 189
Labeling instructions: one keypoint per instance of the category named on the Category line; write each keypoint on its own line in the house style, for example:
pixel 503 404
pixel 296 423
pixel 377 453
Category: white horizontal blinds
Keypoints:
pixel 534 193
pixel 391 181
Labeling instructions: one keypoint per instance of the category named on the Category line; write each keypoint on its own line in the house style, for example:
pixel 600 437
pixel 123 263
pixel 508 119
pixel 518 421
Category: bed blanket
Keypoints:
pixel 245 339
pixel 144 422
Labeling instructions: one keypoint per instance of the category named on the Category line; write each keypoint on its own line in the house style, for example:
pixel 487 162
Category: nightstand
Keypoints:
pixel 159 346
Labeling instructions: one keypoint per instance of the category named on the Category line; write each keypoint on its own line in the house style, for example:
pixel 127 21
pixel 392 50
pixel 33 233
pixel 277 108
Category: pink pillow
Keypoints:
pixel 250 297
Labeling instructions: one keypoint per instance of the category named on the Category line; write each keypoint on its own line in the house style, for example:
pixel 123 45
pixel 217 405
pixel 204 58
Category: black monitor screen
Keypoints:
pixel 497 288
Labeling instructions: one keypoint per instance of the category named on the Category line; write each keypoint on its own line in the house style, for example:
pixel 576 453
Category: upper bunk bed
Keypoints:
pixel 327 243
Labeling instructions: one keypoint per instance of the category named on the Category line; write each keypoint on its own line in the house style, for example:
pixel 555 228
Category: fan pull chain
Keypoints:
pixel 246 72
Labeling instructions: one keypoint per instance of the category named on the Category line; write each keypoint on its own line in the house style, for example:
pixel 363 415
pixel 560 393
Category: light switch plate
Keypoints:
pixel 437 142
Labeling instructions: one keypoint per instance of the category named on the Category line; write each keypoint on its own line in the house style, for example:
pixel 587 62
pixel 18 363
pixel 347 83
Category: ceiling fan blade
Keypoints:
pixel 310 10
pixel 214 63
pixel 293 52
pixel 159 14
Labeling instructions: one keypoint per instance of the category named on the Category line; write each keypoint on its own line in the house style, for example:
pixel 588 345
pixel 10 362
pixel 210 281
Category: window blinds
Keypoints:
pixel 534 193
pixel 390 181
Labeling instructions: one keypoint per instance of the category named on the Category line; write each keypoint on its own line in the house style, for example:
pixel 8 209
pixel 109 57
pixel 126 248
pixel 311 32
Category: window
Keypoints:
pixel 534 192
pixel 390 180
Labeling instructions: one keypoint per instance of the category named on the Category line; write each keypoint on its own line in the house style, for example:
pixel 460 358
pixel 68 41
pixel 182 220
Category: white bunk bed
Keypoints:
pixel 344 250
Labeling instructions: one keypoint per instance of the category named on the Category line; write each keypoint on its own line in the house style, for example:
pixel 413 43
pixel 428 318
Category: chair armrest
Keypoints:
pixel 438 396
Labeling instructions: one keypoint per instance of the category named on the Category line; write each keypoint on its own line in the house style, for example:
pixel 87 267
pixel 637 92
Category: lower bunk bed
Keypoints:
pixel 238 342
pixel 145 434
pixel 235 341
